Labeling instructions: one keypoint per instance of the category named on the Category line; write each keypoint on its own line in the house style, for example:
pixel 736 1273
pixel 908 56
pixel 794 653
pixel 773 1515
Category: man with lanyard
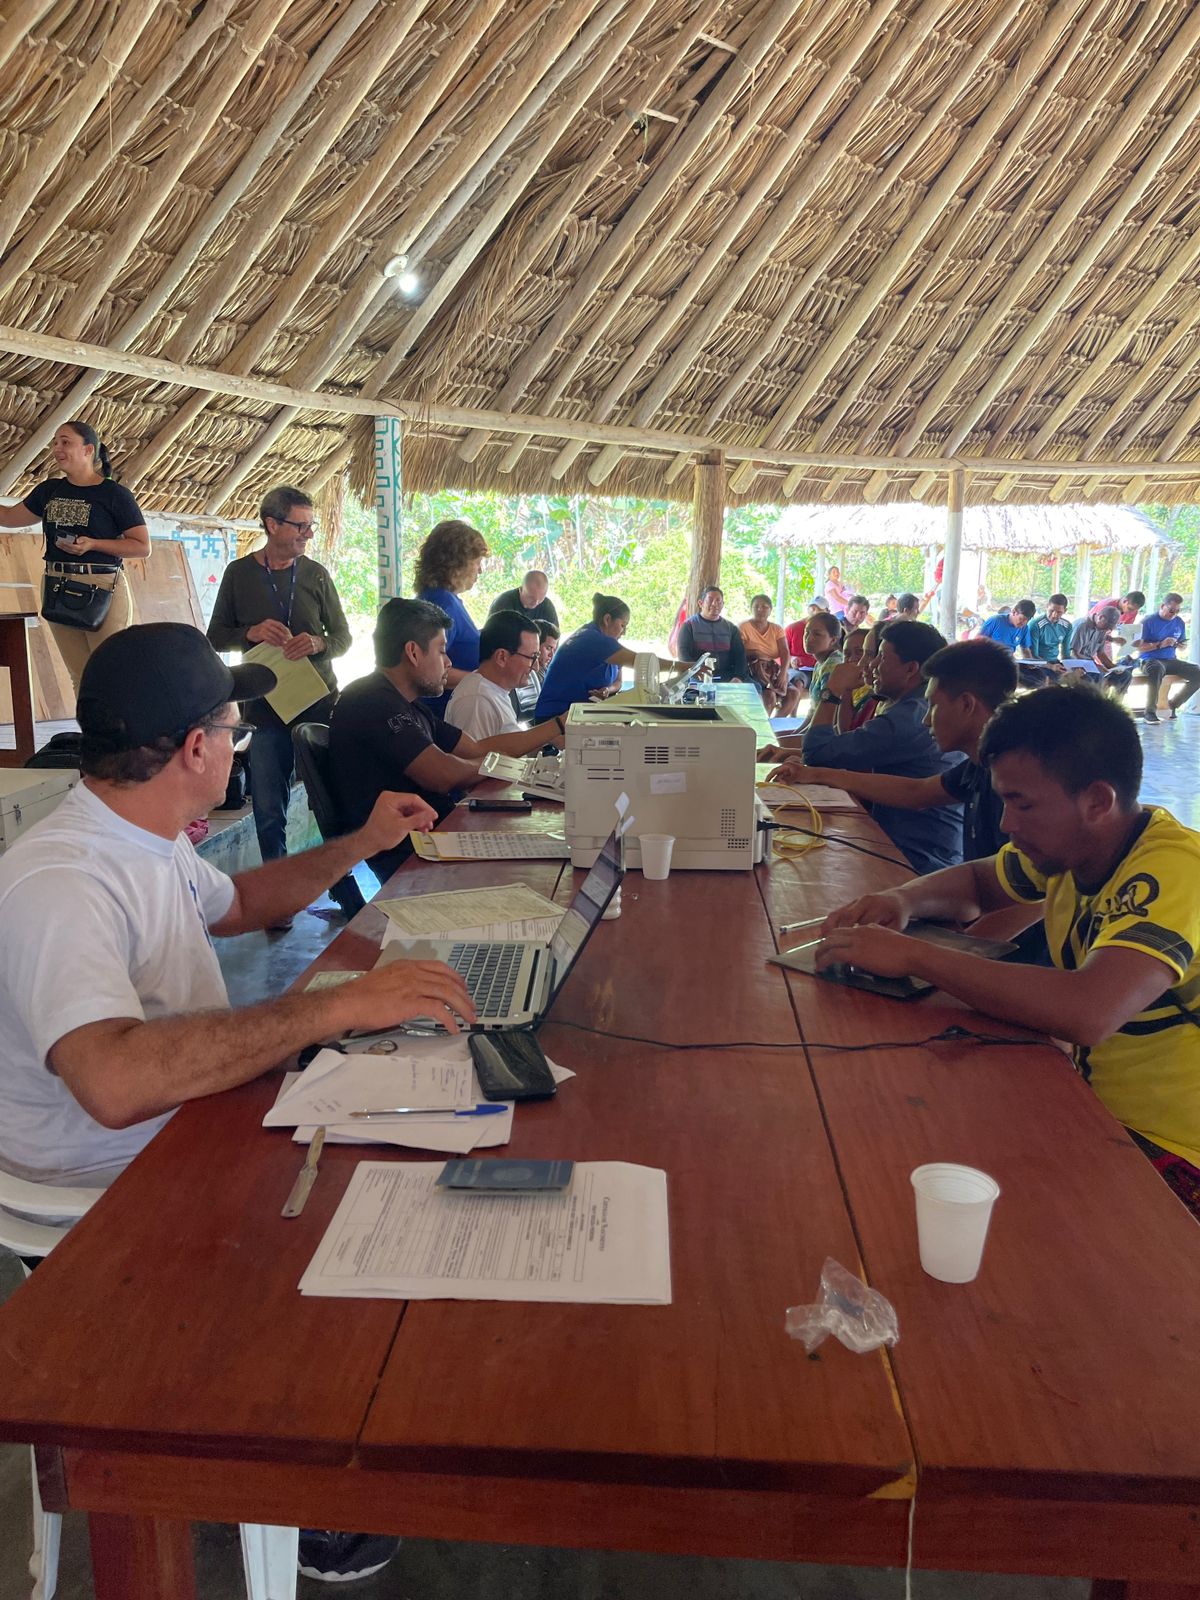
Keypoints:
pixel 707 632
pixel 1162 636
pixel 1116 883
pixel 277 596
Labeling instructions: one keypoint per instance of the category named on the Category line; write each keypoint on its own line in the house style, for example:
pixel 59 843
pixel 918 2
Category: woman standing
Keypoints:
pixel 838 595
pixel 448 565
pixel 92 527
pixel 587 666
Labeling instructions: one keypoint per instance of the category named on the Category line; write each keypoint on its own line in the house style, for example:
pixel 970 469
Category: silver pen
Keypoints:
pixel 307 1176
pixel 431 1111
pixel 791 927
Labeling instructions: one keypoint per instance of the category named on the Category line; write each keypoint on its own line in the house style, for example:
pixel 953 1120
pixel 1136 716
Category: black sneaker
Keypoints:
pixel 1151 715
pixel 332 1557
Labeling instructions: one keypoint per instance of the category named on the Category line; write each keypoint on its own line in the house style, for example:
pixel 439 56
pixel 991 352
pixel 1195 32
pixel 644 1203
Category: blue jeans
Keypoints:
pixel 271 762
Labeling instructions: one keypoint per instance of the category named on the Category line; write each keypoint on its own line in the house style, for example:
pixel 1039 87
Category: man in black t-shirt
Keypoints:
pixel 965 684
pixel 381 732
pixel 529 599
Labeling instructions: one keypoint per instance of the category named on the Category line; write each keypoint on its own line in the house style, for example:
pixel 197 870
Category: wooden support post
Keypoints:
pixel 1056 573
pixel 1193 636
pixel 1152 578
pixel 952 558
pixel 1083 581
pixel 708 525
pixel 781 583
pixel 1118 572
pixel 819 565
pixel 388 507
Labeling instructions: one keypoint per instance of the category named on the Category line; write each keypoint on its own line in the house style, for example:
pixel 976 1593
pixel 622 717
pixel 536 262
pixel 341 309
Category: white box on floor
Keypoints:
pixel 28 796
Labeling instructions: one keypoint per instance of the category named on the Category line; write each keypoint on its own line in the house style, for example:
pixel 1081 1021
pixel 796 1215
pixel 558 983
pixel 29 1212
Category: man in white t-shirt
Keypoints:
pixel 482 704
pixel 113 1010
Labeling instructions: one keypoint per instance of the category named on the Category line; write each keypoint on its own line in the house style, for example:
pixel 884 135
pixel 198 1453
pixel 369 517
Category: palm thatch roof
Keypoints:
pixel 1016 529
pixel 850 242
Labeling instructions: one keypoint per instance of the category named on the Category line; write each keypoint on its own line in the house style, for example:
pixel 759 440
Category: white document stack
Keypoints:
pixel 395 1235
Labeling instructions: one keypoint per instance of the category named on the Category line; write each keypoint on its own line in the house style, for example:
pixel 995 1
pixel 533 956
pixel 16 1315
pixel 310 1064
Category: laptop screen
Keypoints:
pixel 585 910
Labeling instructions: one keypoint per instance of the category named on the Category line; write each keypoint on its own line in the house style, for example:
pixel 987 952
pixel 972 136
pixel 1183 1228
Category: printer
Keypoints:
pixel 687 771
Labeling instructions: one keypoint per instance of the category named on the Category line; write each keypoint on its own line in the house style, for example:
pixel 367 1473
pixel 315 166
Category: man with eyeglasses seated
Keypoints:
pixel 113 1009
pixel 482 702
pixel 277 595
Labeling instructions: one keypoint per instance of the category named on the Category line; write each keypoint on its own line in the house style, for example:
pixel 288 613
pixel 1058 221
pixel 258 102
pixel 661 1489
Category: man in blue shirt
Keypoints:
pixel 897 741
pixel 1161 637
pixel 1011 629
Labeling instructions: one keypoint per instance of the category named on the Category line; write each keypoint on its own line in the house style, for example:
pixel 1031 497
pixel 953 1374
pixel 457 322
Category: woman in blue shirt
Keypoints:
pixel 589 663
pixel 448 565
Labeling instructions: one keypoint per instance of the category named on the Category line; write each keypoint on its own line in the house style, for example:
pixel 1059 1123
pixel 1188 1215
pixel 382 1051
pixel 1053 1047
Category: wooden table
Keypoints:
pixel 14 657
pixel 1045 1415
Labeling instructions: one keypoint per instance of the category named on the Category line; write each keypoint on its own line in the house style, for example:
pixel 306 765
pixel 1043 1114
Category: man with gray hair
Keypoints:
pixel 278 596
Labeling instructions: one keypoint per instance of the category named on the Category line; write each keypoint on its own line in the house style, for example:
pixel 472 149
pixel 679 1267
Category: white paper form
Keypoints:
pixel 508 911
pixel 820 796
pixel 604 1241
pixel 335 1084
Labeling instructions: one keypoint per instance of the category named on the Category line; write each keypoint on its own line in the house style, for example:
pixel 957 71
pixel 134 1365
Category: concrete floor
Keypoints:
pixel 257 965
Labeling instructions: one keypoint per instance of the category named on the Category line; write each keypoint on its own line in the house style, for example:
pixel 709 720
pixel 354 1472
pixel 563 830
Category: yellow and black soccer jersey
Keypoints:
pixel 1148 1073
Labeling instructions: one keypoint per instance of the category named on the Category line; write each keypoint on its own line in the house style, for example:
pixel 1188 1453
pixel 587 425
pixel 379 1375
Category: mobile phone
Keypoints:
pixel 499 805
pixel 510 1065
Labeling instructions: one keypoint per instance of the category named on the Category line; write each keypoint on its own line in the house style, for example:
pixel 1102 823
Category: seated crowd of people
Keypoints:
pixel 999 768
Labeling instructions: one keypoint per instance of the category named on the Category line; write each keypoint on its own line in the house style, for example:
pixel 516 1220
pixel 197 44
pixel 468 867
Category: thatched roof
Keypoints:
pixel 1019 530
pixel 879 235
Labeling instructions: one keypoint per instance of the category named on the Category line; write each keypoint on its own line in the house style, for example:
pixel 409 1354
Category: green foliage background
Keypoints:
pixel 640 550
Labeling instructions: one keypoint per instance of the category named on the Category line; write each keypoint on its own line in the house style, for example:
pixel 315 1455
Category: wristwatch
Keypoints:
pixel 830 699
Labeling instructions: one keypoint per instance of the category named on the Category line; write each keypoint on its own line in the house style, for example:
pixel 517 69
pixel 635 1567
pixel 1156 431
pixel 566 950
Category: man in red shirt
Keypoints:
pixel 1128 605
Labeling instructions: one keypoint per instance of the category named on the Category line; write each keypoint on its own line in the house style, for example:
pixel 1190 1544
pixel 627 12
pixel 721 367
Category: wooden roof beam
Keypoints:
pixel 423 120
pixel 804 184
pixel 104 358
pixel 202 230
pixel 886 178
pixel 928 214
pixel 405 144
pixel 372 285
pixel 17 25
pixel 737 76
pixel 1153 85
pixel 129 19
pixel 83 175
pixel 236 63
pixel 1181 263
pixel 785 151
pixel 992 179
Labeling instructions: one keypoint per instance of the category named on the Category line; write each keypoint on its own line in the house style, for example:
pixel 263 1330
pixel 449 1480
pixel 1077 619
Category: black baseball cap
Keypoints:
pixel 156 680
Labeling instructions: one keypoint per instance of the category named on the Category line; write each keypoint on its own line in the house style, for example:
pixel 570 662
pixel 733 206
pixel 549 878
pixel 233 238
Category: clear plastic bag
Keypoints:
pixel 860 1317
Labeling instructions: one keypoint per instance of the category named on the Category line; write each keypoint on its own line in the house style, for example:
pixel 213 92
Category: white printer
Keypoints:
pixel 687 770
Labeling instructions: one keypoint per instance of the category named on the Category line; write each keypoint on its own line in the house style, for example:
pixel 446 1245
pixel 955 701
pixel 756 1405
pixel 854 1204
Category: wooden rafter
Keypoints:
pixel 45 347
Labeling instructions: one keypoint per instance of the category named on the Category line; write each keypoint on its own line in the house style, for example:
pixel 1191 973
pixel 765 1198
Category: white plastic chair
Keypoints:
pixel 268 1553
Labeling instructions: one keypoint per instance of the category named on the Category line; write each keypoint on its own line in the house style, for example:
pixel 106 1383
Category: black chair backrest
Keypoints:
pixel 310 740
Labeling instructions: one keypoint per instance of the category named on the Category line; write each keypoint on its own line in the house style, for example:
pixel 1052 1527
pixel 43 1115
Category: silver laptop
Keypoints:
pixel 514 982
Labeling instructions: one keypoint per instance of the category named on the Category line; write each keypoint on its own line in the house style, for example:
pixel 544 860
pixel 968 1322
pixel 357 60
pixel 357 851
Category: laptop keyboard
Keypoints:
pixel 490 974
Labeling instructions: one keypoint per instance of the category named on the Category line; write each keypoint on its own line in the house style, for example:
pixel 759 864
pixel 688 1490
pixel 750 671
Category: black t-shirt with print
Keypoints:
pixel 982 809
pixel 91 510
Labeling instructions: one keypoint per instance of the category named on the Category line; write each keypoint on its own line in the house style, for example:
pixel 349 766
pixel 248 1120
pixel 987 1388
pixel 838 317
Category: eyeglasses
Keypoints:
pixel 240 733
pixel 301 527
pixel 521 656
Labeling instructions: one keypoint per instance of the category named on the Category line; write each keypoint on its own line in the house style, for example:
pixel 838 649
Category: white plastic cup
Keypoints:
pixel 656 854
pixel 954 1207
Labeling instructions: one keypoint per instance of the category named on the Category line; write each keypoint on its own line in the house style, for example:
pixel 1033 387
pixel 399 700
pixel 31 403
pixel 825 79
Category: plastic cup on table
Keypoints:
pixel 656 854
pixel 954 1207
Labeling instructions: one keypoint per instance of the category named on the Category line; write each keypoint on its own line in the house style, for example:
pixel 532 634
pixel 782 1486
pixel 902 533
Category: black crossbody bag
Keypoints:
pixel 73 603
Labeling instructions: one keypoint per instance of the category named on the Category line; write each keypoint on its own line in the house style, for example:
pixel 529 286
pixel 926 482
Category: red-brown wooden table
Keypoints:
pixel 1046 1415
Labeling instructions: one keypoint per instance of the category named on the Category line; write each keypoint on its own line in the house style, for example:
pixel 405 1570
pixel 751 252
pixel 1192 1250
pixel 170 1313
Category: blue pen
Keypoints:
pixel 430 1111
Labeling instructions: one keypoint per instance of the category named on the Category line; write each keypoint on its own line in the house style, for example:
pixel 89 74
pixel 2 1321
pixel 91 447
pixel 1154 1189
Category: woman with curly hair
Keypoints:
pixel 448 565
